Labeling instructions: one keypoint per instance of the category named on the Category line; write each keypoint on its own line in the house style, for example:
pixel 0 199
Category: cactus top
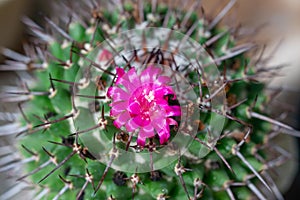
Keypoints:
pixel 141 102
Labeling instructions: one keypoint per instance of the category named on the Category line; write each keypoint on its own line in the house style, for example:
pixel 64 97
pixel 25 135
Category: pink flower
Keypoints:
pixel 141 103
pixel 105 55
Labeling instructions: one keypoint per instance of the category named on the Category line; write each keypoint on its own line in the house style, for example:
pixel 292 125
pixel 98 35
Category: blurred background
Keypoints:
pixel 282 14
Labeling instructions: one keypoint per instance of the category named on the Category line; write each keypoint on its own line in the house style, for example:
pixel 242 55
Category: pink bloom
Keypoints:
pixel 105 55
pixel 141 103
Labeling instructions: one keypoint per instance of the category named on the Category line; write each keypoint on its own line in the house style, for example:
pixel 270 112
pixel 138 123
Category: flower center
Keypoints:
pixel 150 96
pixel 144 104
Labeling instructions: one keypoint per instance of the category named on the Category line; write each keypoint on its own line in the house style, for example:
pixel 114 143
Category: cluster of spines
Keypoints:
pixel 238 159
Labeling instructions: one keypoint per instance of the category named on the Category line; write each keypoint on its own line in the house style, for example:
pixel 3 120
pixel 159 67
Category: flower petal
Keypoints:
pixel 171 110
pixel 134 108
pixel 141 121
pixel 141 141
pixel 130 87
pixel 158 124
pixel 171 121
pixel 118 107
pixel 145 132
pixel 160 92
pixel 117 94
pixel 120 74
pixel 164 135
pixel 149 74
pixel 162 80
pixel 121 119
pixel 124 80
pixel 132 77
pixel 131 126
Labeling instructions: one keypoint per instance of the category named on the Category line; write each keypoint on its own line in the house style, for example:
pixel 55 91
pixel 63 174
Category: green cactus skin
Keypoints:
pixel 231 170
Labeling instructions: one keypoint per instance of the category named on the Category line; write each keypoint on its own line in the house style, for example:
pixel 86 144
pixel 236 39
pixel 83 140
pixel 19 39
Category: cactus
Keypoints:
pixel 141 101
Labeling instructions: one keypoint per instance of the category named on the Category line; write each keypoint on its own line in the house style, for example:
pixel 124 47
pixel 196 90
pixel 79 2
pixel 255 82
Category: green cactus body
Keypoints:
pixel 233 162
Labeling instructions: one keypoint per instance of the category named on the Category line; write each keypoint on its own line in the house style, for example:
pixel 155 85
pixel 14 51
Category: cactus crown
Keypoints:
pixel 148 100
